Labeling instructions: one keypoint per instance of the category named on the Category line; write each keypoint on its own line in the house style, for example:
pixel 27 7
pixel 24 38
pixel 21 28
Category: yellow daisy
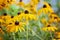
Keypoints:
pixel 15 26
pixel 53 18
pixel 45 9
pixel 49 28
pixel 21 3
pixel 10 1
pixel 3 4
pixel 27 16
pixel 31 8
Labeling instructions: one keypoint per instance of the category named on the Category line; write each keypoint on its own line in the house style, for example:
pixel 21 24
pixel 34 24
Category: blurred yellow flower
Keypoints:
pixel 30 17
pixel 15 26
pixel 53 18
pixel 49 28
pixel 31 8
pixel 27 16
pixel 21 4
pixel 45 9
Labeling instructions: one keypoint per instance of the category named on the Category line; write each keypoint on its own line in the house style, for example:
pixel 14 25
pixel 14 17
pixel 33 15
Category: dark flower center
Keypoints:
pixel 12 16
pixel 20 0
pixel 10 23
pixel 44 6
pixel 0 26
pixel 3 5
pixel 48 25
pixel 5 14
pixel 7 1
pixel 16 23
pixel 19 13
pixel 49 4
pixel 26 12
pixel 55 17
pixel 50 16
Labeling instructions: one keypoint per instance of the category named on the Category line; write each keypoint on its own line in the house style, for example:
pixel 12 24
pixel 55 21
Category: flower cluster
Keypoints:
pixel 16 15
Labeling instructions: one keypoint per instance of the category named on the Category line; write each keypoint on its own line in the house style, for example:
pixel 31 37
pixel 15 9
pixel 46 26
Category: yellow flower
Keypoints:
pixel 10 1
pixel 21 4
pixel 46 5
pixel 1 21
pixel 5 16
pixel 14 18
pixel 27 16
pixel 53 18
pixel 6 3
pixel 49 28
pixel 3 4
pixel 30 17
pixel 15 26
pixel 45 9
pixel 31 8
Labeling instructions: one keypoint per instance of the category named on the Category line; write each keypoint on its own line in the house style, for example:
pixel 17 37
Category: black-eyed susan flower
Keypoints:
pixel 31 8
pixel 21 3
pixel 3 4
pixel 18 17
pixel 45 9
pixel 53 18
pixel 30 17
pixel 26 16
pixel 5 17
pixel 46 5
pixel 11 1
pixel 49 27
pixel 18 13
pixel 15 26
pixel 26 12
